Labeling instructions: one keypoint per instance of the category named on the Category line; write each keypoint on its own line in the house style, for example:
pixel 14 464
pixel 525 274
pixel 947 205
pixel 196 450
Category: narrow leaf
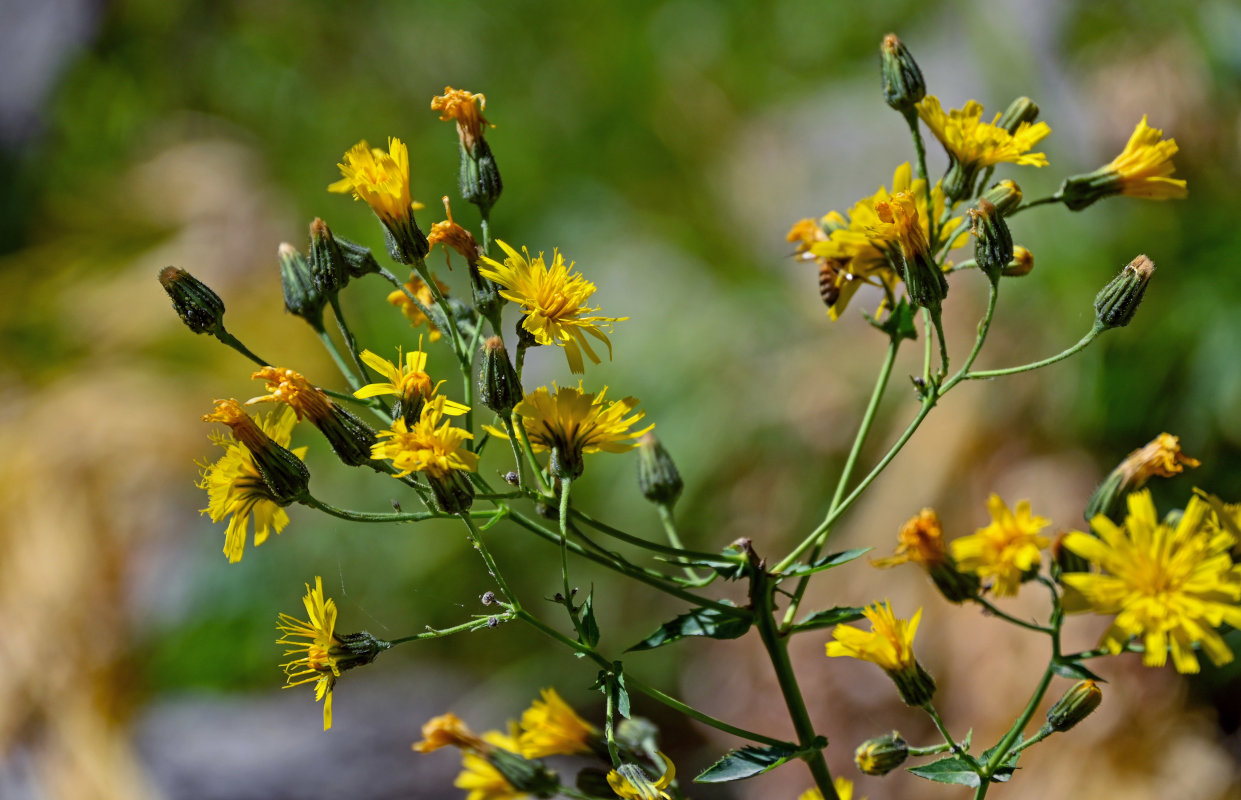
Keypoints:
pixel 828 617
pixel 948 770
pixel 827 562
pixel 590 628
pixel 709 622
pixel 745 763
pixel 1074 670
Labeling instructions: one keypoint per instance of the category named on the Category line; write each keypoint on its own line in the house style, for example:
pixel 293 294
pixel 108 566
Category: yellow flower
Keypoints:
pixel 974 143
pixel 1171 586
pixel 889 643
pixel 921 540
pixel 857 250
pixel 571 422
pixel 631 782
pixel 316 659
pixel 550 727
pixel 379 179
pixel 1006 550
pixel 427 446
pixel 843 787
pixel 418 289
pixel 480 779
pixel 553 301
pixel 235 488
pixel 407 379
pixel 1142 169
pixel 899 222
pixel 465 108
pixel 447 730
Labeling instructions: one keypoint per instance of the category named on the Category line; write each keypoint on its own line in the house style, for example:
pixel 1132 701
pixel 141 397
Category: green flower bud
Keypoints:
pixel 993 244
pixel 524 774
pixel 1118 301
pixel 359 260
pixel 357 650
pixel 956 586
pixel 881 755
pixel 301 297
pixel 479 177
pixel 658 477
pixel 925 282
pixel 283 473
pixel 1005 196
pixel 328 268
pixel 903 86
pixel 499 388
pixel 199 308
pixel 407 244
pixel 1077 704
pixel 351 438
pixel 454 493
pixel 1023 109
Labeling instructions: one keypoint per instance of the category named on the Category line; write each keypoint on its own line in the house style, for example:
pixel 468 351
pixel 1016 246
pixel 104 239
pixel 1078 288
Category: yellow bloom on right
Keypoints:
pixel 1170 586
pixel 1142 169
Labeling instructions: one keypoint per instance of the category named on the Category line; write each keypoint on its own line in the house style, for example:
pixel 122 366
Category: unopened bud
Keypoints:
pixel 993 244
pixel 1118 301
pixel 1077 704
pixel 351 438
pixel 1005 196
pixel 479 177
pixel 357 650
pixel 283 473
pixel 359 260
pixel 499 388
pixel 1022 263
pixel 453 492
pixel 301 297
pixel 328 268
pixel 524 775
pixel 903 86
pixel 1023 109
pixel 881 755
pixel 658 477
pixel 199 308
pixel 925 282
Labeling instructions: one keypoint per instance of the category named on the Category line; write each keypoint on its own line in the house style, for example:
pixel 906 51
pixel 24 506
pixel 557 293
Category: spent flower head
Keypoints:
pixel 1007 550
pixel 1169 585
pixel 553 300
pixel 464 108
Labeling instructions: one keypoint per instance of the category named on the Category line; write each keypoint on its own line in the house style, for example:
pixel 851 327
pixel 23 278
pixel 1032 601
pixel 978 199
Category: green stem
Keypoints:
pixel 476 538
pixel 435 633
pixel 674 538
pixel 617 533
pixel 937 319
pixel 458 342
pixel 519 360
pixel 911 117
pixel 761 599
pixel 566 485
pixel 1001 750
pixel 1081 345
pixel 516 428
pixel 467 378
pixel 868 419
pixel 1039 736
pixel 232 341
pixel 927 346
pixel 518 458
pixel 943 731
pixel 345 368
pixel 1011 619
pixel 350 342
pixel 933 749
pixel 1055 198
pixel 366 516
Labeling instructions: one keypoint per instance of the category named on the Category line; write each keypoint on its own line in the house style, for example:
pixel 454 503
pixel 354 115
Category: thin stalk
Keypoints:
pixel 911 117
pixel 943 731
pixel 1011 619
pixel 518 458
pixel 458 343
pixel 566 485
pixel 476 538
pixel 344 366
pixel 435 633
pixel 366 516
pixel 235 343
pixel 628 538
pixel 1055 198
pixel 932 749
pixel 937 318
pixel 515 428
pixel 1001 750
pixel 609 731
pixel 868 419
pixel 350 342
pixel 927 346
pixel 674 538
pixel 1081 345
pixel 467 378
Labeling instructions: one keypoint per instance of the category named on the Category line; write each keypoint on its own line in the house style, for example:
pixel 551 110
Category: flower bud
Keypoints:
pixel 903 86
pixel 1005 196
pixel 993 244
pixel 479 177
pixel 1023 109
pixel 406 242
pixel 925 282
pixel 351 438
pixel 1118 301
pixel 328 268
pixel 284 474
pixel 359 260
pixel 453 492
pixel 658 477
pixel 357 650
pixel 199 308
pixel 499 388
pixel 1022 263
pixel 881 755
pixel 301 297
pixel 1077 704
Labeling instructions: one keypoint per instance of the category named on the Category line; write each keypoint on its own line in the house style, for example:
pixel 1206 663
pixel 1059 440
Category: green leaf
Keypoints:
pixel 899 324
pixel 1005 770
pixel 708 622
pixel 590 628
pixel 745 763
pixel 828 617
pixel 1074 670
pixel 950 769
pixel 730 565
pixel 622 694
pixel 827 562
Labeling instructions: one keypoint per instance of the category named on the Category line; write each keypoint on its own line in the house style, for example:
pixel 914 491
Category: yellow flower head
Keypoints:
pixel 921 540
pixel 448 730
pixel 234 485
pixel 857 248
pixel 553 301
pixel 427 446
pixel 843 787
pixel 292 388
pixel 379 179
pixel 806 232
pixel 571 422
pixel 974 143
pixel 631 782
pixel 480 778
pixel 315 644
pixel 410 309
pixel 452 235
pixel 550 727
pixel 1006 550
pixel 466 109
pixel 1171 586
pixel 1161 457
pixel 407 379
pixel 1144 166
pixel 889 643
pixel 899 223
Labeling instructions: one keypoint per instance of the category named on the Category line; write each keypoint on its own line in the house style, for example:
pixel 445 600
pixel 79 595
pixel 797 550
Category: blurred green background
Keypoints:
pixel 666 147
